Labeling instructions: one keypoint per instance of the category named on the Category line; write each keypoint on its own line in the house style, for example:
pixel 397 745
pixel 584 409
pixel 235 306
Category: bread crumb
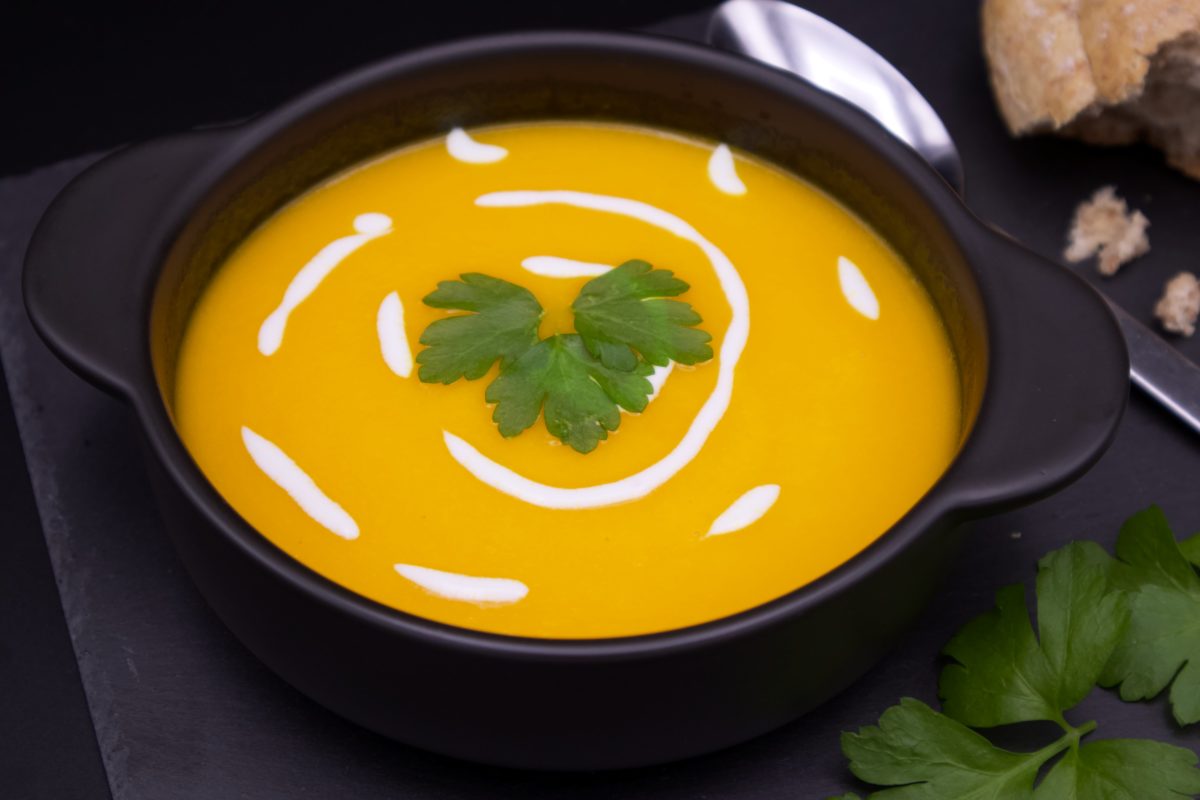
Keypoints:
pixel 1103 224
pixel 1180 304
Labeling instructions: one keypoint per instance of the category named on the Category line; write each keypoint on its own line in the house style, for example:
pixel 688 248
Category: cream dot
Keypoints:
pixel 372 224
pixel 723 172
pixel 857 291
pixel 746 510
pixel 461 146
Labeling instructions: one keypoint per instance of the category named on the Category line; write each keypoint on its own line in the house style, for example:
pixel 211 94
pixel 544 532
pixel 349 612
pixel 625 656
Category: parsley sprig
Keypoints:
pixel 503 325
pixel 1162 644
pixel 580 394
pixel 627 323
pixel 1128 621
pixel 624 311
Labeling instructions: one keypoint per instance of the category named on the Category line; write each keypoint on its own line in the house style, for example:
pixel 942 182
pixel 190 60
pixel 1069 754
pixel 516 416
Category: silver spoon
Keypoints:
pixel 798 41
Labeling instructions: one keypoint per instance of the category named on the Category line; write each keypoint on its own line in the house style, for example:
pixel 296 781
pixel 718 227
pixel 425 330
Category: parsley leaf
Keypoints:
pixel 1191 549
pixel 1090 609
pixel 929 756
pixel 1005 675
pixel 1162 645
pixel 1122 769
pixel 579 392
pixel 503 326
pixel 624 310
pixel 580 381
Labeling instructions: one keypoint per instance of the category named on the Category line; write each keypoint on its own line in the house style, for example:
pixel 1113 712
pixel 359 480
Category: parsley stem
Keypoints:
pixel 1068 741
pixel 1073 731
pixel 1085 729
pixel 1078 733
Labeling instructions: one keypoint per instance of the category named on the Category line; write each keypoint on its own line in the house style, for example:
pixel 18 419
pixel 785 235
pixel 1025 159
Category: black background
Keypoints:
pixel 78 80
pixel 89 76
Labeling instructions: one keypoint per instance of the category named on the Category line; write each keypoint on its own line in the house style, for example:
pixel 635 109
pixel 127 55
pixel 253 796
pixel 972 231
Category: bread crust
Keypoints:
pixel 1106 71
pixel 1038 63
pixel 1052 59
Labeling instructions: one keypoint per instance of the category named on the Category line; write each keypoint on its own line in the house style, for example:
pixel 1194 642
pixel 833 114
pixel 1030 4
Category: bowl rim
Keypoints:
pixel 941 502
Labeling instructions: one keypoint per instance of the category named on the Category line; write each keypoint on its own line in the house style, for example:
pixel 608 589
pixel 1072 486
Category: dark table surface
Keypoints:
pixel 138 692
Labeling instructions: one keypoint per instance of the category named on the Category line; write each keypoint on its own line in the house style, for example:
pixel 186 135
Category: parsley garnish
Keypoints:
pixel 1162 645
pixel 622 311
pixel 934 757
pixel 626 325
pixel 1191 549
pixel 1005 674
pixel 929 756
pixel 580 393
pixel 503 326
pixel 1099 620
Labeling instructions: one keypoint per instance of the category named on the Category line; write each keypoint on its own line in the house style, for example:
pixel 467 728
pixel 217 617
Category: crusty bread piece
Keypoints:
pixel 1104 225
pixel 1180 304
pixel 1105 71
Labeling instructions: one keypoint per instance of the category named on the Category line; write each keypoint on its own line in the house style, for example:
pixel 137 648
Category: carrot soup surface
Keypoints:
pixel 829 406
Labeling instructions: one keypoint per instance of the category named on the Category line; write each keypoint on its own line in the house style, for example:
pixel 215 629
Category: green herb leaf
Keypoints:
pixel 580 394
pixel 1162 643
pixel 1134 614
pixel 581 380
pixel 1005 675
pixel 623 311
pixel 929 756
pixel 1122 769
pixel 503 325
pixel 1191 549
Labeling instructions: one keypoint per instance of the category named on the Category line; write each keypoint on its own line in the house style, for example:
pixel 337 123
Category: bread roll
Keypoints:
pixel 1105 71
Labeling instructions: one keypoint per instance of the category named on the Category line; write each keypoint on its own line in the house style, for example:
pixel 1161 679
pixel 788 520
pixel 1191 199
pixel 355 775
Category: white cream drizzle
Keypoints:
pixel 658 378
pixel 723 172
pixel 467 588
pixel 857 291
pixel 555 267
pixel 461 146
pixel 368 227
pixel 647 480
pixel 393 342
pixel 746 510
pixel 280 468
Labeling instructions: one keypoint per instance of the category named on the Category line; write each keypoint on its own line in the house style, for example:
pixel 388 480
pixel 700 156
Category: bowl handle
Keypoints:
pixel 1057 381
pixel 87 270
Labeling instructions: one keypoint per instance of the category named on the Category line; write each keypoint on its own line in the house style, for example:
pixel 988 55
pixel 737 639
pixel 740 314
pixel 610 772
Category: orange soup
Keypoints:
pixel 568 380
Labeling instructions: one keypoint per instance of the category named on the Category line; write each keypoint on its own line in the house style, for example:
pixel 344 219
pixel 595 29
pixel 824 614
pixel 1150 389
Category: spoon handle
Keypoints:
pixel 1160 370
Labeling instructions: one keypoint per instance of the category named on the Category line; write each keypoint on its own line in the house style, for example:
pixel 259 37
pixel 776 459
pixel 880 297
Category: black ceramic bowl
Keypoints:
pixel 120 258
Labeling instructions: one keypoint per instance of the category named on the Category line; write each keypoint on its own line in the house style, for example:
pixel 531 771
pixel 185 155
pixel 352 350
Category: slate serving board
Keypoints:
pixel 181 710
